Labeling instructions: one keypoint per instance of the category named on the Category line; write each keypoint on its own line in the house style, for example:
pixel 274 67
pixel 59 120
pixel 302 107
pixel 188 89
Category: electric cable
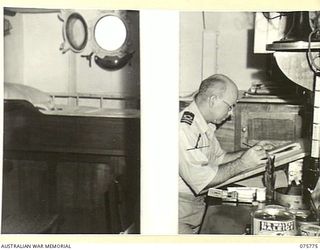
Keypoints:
pixel 311 59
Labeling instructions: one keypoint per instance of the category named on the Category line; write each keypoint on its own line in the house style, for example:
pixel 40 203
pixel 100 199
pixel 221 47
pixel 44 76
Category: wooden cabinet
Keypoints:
pixel 254 121
pixel 276 122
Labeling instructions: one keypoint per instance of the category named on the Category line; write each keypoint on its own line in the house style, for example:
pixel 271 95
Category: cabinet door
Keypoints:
pixel 279 123
pixel 25 188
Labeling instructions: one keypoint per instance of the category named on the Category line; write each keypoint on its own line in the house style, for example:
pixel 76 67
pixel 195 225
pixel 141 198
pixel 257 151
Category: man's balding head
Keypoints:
pixel 217 85
pixel 213 91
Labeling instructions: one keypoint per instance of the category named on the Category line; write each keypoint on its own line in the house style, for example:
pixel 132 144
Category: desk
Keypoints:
pixel 226 218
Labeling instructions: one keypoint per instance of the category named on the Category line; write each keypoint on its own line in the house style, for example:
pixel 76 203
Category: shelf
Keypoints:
pixel 292 46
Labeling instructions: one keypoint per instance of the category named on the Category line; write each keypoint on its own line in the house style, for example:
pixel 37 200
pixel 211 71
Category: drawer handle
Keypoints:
pixel 244 129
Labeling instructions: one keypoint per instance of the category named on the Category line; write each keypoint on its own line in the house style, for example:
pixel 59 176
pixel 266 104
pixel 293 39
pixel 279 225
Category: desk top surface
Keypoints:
pixel 227 218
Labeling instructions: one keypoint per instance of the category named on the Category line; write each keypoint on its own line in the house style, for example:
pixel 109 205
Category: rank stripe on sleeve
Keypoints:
pixel 187 117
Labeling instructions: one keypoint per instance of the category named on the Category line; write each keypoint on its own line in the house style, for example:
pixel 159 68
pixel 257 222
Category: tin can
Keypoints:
pixel 291 201
pixel 310 230
pixel 273 220
pixel 304 218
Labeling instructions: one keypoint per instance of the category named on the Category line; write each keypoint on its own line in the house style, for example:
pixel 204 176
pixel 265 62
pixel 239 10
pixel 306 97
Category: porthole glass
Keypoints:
pixel 76 31
pixel 110 33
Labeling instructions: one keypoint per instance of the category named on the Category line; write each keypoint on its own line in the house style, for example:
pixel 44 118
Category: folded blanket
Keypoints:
pixel 39 99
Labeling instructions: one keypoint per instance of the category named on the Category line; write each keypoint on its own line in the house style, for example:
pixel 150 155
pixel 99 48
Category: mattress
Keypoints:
pixel 66 110
pixel 45 103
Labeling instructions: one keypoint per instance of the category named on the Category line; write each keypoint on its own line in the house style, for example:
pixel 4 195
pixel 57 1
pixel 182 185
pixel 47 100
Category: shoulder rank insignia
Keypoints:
pixel 187 117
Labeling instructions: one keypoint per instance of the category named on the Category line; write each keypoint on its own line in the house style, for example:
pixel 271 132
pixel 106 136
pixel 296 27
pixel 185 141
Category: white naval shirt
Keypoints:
pixel 199 151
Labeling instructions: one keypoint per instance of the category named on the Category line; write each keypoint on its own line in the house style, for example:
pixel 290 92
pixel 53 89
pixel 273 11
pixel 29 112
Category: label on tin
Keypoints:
pixel 275 226
pixel 274 220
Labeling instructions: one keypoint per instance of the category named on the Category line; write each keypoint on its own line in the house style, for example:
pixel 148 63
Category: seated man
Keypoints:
pixel 202 162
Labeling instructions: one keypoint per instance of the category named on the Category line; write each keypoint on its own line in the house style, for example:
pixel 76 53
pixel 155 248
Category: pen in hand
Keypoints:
pixel 250 146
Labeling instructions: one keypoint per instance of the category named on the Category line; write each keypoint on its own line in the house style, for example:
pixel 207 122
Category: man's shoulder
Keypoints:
pixel 187 117
pixel 187 124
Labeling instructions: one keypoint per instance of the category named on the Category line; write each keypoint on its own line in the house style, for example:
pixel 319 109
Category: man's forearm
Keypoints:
pixel 228 157
pixel 227 171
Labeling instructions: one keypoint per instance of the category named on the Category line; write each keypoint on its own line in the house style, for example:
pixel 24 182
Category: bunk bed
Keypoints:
pixel 37 129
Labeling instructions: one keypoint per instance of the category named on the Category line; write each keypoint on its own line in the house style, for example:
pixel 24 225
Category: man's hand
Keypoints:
pixel 254 156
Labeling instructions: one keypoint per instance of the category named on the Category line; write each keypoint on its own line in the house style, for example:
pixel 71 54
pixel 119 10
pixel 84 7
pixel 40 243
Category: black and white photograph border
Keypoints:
pixel 71 140
pixel 249 142
pixel 159 83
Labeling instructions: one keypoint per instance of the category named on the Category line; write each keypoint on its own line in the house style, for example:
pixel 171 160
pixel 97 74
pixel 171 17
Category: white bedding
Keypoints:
pixel 93 112
pixel 44 102
pixel 40 99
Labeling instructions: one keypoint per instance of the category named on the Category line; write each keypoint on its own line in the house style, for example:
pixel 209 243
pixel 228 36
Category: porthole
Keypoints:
pixel 76 32
pixel 110 33
pixel 102 36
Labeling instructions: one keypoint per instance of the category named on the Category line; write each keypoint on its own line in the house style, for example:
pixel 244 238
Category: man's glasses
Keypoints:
pixel 230 107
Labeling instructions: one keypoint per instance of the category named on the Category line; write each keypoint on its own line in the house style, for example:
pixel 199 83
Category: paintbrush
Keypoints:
pixel 248 145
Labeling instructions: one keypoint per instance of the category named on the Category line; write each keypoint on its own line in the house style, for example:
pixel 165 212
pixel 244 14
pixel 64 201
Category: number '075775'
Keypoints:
pixel 309 246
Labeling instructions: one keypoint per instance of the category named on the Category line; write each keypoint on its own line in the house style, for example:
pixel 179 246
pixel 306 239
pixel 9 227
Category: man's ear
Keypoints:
pixel 212 100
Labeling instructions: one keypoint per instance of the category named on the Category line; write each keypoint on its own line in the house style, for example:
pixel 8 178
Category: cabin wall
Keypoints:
pixel 13 51
pixel 33 58
pixel 218 42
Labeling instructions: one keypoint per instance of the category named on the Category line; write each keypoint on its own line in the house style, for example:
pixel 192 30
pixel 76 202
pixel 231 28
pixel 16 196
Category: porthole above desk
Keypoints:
pixel 99 35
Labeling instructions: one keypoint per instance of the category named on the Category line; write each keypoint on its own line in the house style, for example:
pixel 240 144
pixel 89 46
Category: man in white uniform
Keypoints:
pixel 202 162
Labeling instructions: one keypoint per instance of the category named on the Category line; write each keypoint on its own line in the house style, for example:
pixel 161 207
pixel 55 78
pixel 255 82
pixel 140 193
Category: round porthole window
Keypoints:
pixel 110 33
pixel 107 39
pixel 76 32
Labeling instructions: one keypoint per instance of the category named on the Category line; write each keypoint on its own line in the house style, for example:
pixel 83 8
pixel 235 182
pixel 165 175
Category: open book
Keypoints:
pixel 283 154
